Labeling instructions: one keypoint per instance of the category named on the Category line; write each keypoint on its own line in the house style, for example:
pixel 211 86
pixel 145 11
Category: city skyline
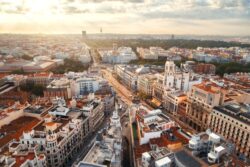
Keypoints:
pixel 109 100
pixel 198 17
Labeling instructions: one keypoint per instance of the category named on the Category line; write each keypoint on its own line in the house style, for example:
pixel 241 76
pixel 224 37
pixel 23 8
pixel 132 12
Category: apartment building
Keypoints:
pixel 145 84
pixel 239 78
pixel 203 68
pixel 200 102
pixel 109 103
pixel 40 78
pixel 173 100
pixel 127 75
pixel 117 55
pixel 232 121
pixel 107 149
pixel 199 68
pixel 95 111
pixel 158 87
pixel 21 157
pixel 145 53
pixel 160 151
pixel 48 142
pixel 59 138
pixel 151 124
pixel 86 85
pixel 59 88
pixel 27 66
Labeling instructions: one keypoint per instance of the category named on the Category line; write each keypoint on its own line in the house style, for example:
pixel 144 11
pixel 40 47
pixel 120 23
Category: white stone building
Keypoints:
pixel 177 79
pixel 95 111
pixel 145 53
pixel 151 124
pixel 85 85
pixel 145 84
pixel 118 55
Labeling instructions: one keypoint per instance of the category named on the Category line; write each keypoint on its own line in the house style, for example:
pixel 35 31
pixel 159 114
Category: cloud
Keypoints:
pixel 198 14
pixel 195 9
pixel 132 13
pixel 74 10
pixel 14 9
pixel 200 9
pixel 126 1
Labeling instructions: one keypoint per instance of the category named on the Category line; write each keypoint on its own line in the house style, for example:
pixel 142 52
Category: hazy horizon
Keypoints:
pixel 176 35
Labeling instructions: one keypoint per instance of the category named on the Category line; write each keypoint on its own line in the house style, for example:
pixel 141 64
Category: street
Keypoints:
pixel 125 94
pixel 88 143
pixel 119 88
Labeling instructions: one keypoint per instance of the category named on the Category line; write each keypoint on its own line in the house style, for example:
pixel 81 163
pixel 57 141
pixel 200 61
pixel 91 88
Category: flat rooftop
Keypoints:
pixel 186 159
pixel 76 114
pixel 157 155
pixel 235 112
pixel 99 154
pixel 60 121
pixel 171 137
pixel 35 109
pixel 208 87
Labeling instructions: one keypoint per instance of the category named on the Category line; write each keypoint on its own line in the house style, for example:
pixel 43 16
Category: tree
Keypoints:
pixel 38 90
pixel 34 89
pixel 27 57
pixel 70 65
pixel 231 67
pixel 166 44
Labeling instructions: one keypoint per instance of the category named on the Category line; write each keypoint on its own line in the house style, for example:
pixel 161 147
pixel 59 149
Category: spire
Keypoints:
pixel 115 113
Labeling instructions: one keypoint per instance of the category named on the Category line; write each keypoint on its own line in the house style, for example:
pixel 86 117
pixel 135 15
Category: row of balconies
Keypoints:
pixel 62 151
pixel 227 126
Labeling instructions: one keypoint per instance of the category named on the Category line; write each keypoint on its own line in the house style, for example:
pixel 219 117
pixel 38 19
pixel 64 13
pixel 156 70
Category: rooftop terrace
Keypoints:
pixel 172 139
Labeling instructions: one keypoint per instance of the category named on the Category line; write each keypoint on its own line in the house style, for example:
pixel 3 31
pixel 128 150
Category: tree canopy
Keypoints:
pixel 70 65
pixel 166 44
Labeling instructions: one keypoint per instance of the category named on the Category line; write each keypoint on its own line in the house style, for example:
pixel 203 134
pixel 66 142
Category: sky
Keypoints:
pixel 200 17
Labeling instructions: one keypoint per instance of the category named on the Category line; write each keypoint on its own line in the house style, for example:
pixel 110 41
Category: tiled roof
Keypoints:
pixel 21 159
pixel 16 128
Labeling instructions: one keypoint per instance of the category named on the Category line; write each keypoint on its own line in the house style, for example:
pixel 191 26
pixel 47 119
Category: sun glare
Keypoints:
pixel 40 6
